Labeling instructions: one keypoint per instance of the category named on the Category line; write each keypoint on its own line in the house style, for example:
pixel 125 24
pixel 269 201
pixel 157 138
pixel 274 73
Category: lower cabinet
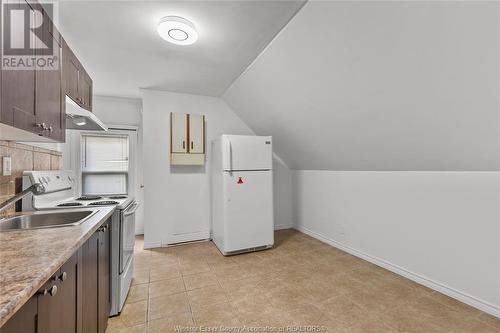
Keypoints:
pixel 24 320
pixel 96 276
pixel 57 300
pixel 104 277
pixel 76 299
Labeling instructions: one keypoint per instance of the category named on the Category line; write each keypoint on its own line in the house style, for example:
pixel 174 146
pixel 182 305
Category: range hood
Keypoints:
pixel 78 118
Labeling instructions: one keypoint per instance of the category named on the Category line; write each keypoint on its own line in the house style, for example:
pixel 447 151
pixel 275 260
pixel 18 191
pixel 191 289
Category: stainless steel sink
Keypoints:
pixel 40 220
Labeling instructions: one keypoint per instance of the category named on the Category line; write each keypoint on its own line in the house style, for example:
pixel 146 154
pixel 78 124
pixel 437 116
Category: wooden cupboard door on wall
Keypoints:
pixel 85 90
pixel 71 70
pixel 196 134
pixel 178 143
pixel 18 93
pixel 49 95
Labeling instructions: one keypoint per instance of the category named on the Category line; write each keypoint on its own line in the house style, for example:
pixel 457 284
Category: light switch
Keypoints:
pixel 7 166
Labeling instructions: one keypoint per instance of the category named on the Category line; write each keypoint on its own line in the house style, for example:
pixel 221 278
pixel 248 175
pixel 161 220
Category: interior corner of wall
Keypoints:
pixel 280 161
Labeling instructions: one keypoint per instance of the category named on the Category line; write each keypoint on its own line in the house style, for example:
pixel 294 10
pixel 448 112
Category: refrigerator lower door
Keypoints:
pixel 248 210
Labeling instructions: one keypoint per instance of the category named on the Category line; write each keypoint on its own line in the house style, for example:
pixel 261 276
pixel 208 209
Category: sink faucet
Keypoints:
pixel 36 189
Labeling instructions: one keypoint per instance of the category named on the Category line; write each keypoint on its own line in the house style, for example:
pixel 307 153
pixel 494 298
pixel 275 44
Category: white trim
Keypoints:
pixel 283 226
pixel 456 294
pixel 188 237
pixel 152 245
pixel 123 128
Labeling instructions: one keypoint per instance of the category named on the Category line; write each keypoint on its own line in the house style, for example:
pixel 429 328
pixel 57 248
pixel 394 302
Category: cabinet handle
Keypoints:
pixel 63 276
pixel 183 144
pixel 192 145
pixel 43 126
pixel 53 290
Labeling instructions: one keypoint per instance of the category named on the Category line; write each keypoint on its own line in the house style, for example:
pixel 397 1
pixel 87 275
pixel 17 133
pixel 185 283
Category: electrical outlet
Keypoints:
pixel 7 166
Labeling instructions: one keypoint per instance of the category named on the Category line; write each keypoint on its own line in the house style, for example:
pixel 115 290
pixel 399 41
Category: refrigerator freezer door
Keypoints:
pixel 245 152
pixel 248 210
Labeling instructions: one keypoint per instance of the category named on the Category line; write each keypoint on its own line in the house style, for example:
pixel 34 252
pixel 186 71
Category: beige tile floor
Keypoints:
pixel 301 283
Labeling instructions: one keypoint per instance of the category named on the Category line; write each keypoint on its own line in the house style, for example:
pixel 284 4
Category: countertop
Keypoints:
pixel 28 258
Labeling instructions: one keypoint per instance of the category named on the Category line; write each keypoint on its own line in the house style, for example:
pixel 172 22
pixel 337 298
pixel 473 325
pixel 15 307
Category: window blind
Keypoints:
pixel 105 164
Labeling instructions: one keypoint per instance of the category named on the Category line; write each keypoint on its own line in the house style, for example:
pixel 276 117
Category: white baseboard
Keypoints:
pixel 283 226
pixel 456 294
pixel 188 237
pixel 151 245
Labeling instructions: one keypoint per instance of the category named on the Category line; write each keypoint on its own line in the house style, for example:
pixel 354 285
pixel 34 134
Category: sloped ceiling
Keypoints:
pixel 118 43
pixel 379 86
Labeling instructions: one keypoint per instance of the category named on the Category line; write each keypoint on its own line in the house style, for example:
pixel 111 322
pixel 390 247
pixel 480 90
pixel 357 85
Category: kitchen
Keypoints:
pixel 207 165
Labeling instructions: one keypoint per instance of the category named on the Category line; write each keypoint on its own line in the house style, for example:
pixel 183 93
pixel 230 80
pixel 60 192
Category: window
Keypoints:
pixel 105 164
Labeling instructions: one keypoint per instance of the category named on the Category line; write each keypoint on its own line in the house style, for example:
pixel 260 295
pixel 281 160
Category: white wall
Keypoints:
pixel 439 228
pixel 380 85
pixel 118 111
pixel 113 111
pixel 177 199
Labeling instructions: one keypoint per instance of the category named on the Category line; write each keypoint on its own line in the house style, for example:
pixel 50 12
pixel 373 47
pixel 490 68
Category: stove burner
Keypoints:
pixel 118 197
pixel 103 203
pixel 89 197
pixel 70 204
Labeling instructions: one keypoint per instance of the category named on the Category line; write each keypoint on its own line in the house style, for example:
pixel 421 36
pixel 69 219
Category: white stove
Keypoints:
pixel 60 193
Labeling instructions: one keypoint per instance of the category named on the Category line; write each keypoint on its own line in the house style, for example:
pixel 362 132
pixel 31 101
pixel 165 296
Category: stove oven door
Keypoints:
pixel 127 234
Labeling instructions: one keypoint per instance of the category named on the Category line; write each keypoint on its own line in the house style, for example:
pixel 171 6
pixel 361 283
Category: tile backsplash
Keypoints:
pixel 24 157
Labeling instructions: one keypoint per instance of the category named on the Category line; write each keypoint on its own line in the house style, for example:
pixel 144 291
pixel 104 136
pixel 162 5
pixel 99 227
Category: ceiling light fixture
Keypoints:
pixel 177 30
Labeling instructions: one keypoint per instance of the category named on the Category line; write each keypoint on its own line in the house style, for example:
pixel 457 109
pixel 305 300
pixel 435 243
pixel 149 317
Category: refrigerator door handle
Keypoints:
pixel 229 154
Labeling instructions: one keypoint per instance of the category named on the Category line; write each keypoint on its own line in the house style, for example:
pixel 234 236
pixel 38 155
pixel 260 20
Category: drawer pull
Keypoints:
pixel 63 276
pixel 53 290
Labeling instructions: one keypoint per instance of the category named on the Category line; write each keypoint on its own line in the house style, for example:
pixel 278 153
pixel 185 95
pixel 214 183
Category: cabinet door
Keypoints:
pixel 1 70
pixel 104 273
pixel 58 311
pixel 49 100
pixel 18 93
pixel 178 133
pixel 89 284
pixel 24 320
pixel 71 68
pixel 196 134
pixel 85 89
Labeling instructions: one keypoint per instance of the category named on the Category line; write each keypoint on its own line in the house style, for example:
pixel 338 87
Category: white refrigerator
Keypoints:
pixel 242 193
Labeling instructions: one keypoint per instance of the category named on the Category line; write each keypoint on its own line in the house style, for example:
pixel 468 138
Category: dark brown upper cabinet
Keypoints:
pixel 33 99
pixel 49 96
pixel 18 91
pixel 77 82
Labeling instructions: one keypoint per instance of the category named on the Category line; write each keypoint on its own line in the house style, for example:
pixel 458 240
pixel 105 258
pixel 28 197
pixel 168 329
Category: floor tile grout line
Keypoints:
pixel 318 250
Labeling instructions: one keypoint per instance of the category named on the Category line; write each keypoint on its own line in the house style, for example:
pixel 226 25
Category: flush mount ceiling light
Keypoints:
pixel 177 30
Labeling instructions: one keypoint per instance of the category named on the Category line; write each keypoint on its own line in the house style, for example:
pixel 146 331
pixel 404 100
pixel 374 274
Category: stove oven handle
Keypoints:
pixel 132 209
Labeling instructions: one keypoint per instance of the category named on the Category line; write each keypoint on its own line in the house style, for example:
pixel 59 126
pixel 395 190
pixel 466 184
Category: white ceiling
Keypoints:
pixel 380 86
pixel 119 46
